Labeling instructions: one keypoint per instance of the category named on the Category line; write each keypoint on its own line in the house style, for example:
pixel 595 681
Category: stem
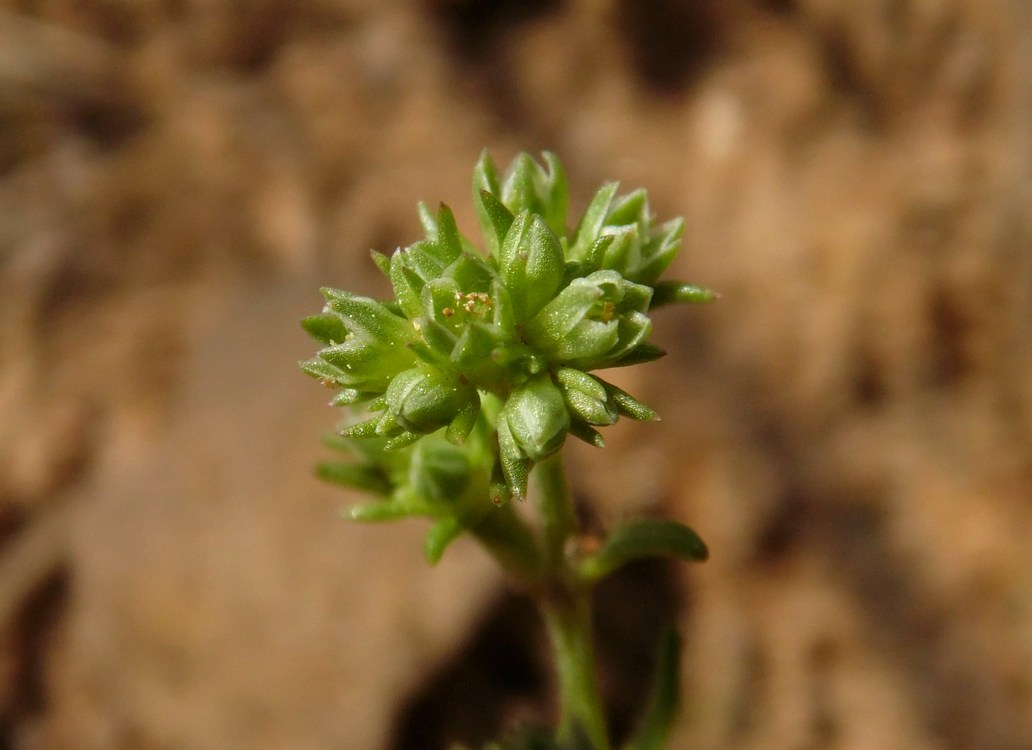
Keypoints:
pixel 566 607
pixel 512 543
pixel 569 627
pixel 556 506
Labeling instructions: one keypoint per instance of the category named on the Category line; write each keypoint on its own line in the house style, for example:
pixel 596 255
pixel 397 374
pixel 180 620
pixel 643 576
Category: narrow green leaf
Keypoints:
pixel 670 292
pixel 581 381
pixel 361 429
pixel 662 246
pixel 382 262
pixel 448 237
pixel 629 209
pixel 557 194
pixel 366 317
pixel 426 353
pixel 588 434
pixel 495 219
pixel 349 396
pixel 384 510
pixel 440 535
pixel 518 193
pixel 515 465
pixel 485 174
pixel 628 405
pixel 531 264
pixel 596 254
pixel 463 424
pixel 427 220
pixel 659 718
pixel 323 371
pixel 437 337
pixel 639 539
pixel 500 492
pixel 325 327
pixel 642 353
pixel 357 476
pixel 406 283
pixel 588 409
pixel 592 222
pixel 403 440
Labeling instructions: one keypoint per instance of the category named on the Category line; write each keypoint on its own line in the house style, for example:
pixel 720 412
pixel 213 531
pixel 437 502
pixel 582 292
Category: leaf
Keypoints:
pixel 588 434
pixel 361 429
pixel 441 340
pixel 377 512
pixel 323 371
pixel 531 264
pixel 644 352
pixel 629 209
pixel 557 194
pixel 639 539
pixel 349 396
pixel 448 237
pixel 357 476
pixel 518 193
pixel 628 405
pixel 403 440
pixel 670 292
pixel 485 174
pixel 382 262
pixel 440 535
pixel 592 221
pixel 515 465
pixel 495 220
pixel 367 318
pixel 325 327
pixel 463 423
pixel 596 254
pixel 407 285
pixel 662 246
pixel 655 727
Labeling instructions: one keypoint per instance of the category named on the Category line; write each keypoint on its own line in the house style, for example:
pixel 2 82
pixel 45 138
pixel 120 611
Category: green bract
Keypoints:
pixel 478 368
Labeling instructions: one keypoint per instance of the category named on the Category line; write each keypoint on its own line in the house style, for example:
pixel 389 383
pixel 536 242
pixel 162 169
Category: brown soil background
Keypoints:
pixel 850 427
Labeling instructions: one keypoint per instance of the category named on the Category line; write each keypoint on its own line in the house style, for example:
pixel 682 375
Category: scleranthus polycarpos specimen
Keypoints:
pixel 462 390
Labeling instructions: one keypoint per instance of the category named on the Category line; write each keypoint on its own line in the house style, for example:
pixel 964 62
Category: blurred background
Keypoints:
pixel 849 427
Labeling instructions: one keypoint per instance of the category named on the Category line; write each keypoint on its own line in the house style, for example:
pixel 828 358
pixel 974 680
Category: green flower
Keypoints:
pixel 531 426
pixel 423 400
pixel 594 322
pixel 367 343
pixel 639 251
pixel 497 343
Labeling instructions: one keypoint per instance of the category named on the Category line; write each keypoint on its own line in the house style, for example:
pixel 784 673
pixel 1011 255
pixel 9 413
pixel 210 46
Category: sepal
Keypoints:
pixel 594 322
pixel 422 400
pixel 531 264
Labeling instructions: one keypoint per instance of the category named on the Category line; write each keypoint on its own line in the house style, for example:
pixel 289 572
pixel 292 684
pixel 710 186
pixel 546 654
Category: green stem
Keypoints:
pixel 566 607
pixel 556 507
pixel 512 543
pixel 569 627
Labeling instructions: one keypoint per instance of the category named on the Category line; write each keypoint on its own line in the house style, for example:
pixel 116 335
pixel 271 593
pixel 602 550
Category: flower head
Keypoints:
pixel 482 358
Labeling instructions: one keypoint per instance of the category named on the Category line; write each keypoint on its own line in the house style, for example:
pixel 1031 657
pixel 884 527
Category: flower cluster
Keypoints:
pixel 498 345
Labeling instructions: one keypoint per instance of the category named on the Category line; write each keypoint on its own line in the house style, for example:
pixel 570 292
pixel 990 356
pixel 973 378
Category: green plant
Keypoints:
pixel 465 386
